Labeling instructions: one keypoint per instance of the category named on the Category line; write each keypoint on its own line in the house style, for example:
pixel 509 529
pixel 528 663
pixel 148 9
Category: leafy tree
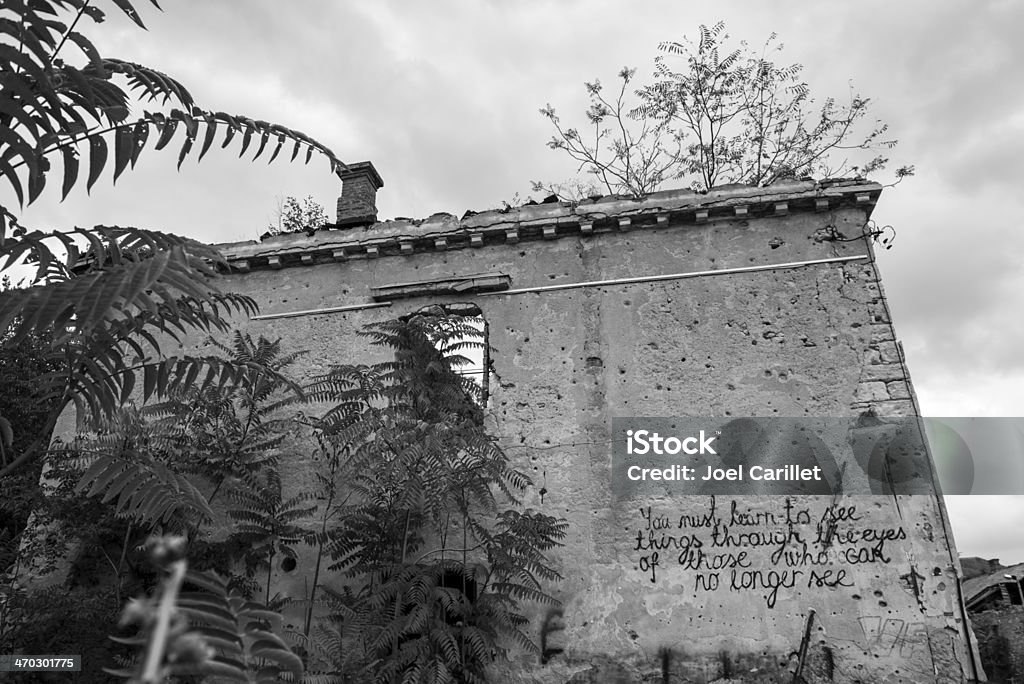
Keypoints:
pixel 230 432
pixel 726 116
pixel 140 472
pixel 268 523
pixel 432 533
pixel 295 217
pixel 106 293
pixel 23 416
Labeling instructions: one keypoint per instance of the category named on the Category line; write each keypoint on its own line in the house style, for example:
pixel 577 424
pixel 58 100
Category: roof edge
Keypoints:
pixel 442 232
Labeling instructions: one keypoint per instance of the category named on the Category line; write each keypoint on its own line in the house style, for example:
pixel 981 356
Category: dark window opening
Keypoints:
pixel 455 579
pixel 463 340
pixel 1014 592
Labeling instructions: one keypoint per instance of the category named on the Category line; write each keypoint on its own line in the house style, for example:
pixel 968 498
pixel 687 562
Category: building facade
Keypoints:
pixel 737 302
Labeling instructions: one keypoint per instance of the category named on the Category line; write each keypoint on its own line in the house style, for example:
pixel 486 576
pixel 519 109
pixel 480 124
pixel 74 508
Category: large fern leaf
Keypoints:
pixel 244 634
pixel 47 104
pixel 144 490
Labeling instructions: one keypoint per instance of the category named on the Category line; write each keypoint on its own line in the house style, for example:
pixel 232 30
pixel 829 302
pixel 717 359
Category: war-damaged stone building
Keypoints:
pixel 741 301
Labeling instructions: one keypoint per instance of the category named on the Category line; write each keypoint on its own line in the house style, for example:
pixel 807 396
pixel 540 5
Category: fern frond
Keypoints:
pixel 244 634
pixel 145 490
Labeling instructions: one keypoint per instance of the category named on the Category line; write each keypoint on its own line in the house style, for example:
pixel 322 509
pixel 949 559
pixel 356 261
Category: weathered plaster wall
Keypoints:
pixel 881 604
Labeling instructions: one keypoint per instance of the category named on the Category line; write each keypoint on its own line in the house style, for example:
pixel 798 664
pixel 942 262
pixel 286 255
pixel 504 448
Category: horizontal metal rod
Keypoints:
pixel 313 312
pixel 591 283
pixel 673 276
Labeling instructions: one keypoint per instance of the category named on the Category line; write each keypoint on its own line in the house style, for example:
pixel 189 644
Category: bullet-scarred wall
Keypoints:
pixel 739 302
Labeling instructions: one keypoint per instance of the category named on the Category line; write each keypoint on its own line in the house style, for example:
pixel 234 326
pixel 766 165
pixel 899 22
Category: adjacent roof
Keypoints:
pixel 977 588
pixel 553 220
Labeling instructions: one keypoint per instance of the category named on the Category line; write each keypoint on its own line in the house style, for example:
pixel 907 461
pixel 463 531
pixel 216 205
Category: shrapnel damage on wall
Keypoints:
pixel 741 301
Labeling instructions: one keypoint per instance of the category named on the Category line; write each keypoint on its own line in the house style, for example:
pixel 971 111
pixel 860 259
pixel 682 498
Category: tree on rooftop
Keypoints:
pixel 725 116
pixel 293 216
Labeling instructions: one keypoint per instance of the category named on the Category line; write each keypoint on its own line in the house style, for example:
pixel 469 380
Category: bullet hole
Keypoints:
pixel 877 592
pixel 522 254
pixel 729 385
pixel 936 572
pixel 856 597
pixel 883 604
pixel 622 371
pixel 288 564
pixel 594 362
pixel 627 302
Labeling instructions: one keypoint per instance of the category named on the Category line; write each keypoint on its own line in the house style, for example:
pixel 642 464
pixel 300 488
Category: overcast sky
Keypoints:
pixel 442 97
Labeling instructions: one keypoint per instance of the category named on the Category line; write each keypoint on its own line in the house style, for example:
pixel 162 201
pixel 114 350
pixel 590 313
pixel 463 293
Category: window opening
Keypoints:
pixel 464 342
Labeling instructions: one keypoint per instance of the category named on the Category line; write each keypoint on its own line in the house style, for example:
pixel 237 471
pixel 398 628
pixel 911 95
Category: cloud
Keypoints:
pixel 443 98
pixel 981 524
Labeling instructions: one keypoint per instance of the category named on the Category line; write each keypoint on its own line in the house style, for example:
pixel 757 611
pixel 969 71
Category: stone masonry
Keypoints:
pixel 740 301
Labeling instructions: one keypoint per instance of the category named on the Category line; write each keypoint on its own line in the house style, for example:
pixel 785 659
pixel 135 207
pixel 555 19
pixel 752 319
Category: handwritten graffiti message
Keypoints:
pixel 737 548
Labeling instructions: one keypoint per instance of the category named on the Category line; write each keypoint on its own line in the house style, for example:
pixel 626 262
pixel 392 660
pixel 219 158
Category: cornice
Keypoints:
pixel 444 232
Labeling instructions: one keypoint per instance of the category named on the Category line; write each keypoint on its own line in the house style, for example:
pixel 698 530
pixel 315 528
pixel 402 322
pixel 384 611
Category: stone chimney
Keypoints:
pixel 357 205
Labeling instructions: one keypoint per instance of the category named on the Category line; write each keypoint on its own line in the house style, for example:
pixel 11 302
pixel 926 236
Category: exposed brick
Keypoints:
pixel 871 391
pixel 884 372
pixel 888 352
pixel 881 332
pixel 358 202
pixel 898 390
pixel 897 407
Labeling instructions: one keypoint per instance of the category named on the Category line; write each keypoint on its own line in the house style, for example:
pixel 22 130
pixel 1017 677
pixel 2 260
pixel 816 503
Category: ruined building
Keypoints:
pixel 741 301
